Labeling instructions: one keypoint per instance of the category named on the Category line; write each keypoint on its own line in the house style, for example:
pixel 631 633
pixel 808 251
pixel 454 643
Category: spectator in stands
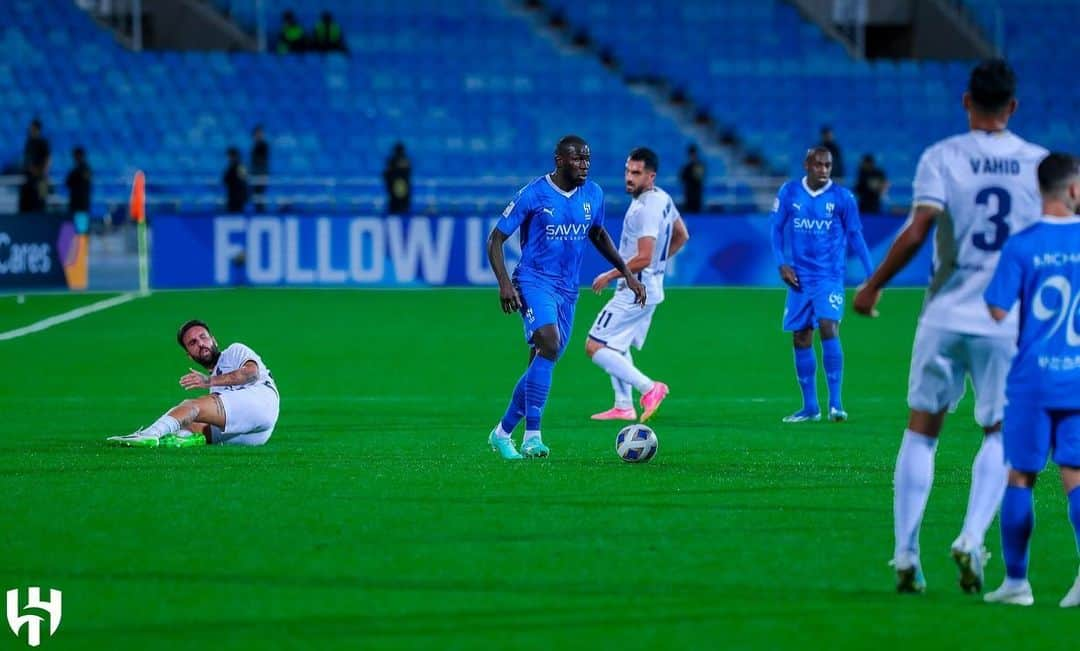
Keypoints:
pixel 828 142
pixel 291 37
pixel 398 177
pixel 35 168
pixel 870 186
pixel 236 182
pixel 260 167
pixel 693 181
pixel 327 35
pixel 78 183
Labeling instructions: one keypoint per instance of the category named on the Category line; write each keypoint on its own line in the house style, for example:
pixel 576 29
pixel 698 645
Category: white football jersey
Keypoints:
pixel 235 356
pixel 651 214
pixel 987 188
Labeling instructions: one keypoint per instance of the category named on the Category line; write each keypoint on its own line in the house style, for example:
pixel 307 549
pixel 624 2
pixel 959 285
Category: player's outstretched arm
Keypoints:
pixel 903 249
pixel 600 239
pixel 508 295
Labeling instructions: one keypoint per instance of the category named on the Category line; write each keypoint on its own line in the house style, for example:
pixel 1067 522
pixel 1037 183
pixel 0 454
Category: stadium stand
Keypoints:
pixel 478 121
pixel 773 77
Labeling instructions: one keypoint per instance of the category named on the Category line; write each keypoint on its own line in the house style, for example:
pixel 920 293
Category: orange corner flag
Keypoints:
pixel 138 198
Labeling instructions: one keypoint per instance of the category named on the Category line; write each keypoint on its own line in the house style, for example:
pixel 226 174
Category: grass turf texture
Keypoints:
pixel 377 517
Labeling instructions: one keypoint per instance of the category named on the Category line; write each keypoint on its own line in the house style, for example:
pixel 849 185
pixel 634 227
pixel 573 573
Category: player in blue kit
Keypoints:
pixel 555 215
pixel 823 219
pixel 1041 267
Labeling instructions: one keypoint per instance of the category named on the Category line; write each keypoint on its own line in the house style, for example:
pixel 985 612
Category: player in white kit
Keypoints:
pixel 241 408
pixel 653 232
pixel 978 187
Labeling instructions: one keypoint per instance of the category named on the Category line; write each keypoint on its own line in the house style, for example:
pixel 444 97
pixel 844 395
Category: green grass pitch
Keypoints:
pixel 377 517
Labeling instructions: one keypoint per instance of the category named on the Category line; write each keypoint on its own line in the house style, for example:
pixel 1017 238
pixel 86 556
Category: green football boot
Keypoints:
pixel 175 441
pixel 134 440
pixel 504 445
pixel 534 447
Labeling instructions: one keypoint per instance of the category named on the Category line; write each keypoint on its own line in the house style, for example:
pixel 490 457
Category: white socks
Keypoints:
pixel 529 433
pixel 618 366
pixel 912 480
pixel 624 392
pixel 989 475
pixel 162 426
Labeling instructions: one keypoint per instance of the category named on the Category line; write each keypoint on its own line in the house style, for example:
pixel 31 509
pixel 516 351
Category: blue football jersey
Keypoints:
pixel 1040 267
pixel 819 225
pixel 553 228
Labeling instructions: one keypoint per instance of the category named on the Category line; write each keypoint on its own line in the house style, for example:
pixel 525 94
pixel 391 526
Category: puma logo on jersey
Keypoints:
pixel 548 211
pixel 1009 166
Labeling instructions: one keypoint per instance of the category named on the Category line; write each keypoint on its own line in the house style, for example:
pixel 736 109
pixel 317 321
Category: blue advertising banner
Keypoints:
pixel 344 250
pixel 39 252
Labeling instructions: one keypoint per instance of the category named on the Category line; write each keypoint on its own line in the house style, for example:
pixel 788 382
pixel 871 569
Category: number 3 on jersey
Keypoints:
pixel 998 217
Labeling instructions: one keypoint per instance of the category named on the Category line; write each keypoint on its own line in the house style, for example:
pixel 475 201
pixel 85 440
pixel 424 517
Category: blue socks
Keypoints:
pixel 537 384
pixel 1017 521
pixel 1074 513
pixel 515 411
pixel 832 358
pixel 806 372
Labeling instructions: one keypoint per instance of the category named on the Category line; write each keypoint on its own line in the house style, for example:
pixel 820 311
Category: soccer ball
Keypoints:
pixel 636 443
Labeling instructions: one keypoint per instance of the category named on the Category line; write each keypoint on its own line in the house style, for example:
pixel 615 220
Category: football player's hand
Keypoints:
pixel 634 285
pixel 600 282
pixel 195 380
pixel 866 300
pixel 788 275
pixel 508 296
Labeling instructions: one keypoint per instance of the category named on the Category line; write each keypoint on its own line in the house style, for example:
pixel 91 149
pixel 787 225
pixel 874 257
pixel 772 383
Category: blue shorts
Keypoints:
pixel 820 300
pixel 542 305
pixel 1031 431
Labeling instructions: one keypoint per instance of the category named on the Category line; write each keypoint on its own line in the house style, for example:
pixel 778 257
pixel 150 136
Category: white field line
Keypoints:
pixel 70 315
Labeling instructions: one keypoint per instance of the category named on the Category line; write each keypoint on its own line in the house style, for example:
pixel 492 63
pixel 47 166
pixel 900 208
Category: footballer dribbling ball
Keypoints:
pixel 636 443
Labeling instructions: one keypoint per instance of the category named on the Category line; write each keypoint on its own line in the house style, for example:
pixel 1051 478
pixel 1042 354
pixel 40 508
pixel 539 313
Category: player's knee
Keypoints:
pixel 1022 479
pixel 546 341
pixel 548 350
pixel 803 338
pixel 926 423
pixel 592 346
pixel 187 410
pixel 829 329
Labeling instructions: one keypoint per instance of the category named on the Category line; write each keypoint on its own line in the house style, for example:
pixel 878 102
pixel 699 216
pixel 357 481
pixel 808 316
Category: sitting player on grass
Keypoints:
pixel 241 408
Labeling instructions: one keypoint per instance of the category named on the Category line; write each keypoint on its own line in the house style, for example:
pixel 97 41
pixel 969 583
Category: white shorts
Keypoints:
pixel 941 360
pixel 622 323
pixel 250 416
